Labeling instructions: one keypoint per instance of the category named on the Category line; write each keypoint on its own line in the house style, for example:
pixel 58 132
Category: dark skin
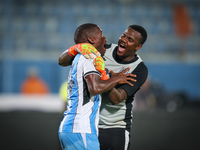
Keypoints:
pixel 128 44
pixel 65 59
pixel 97 86
pixel 96 39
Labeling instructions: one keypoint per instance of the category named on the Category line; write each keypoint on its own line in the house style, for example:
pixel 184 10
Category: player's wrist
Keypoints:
pixel 104 75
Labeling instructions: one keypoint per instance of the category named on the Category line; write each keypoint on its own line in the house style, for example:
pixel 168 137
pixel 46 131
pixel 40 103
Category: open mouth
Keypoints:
pixel 105 44
pixel 121 48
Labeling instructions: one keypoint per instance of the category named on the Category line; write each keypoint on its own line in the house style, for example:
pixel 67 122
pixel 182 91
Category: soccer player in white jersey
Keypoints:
pixel 79 127
pixel 116 120
pixel 116 108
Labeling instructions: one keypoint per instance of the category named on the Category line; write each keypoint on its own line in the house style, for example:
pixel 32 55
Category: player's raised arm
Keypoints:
pixel 68 55
pixel 65 59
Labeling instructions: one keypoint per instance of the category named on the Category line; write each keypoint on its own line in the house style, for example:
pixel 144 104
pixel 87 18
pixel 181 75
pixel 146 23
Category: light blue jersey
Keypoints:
pixel 82 114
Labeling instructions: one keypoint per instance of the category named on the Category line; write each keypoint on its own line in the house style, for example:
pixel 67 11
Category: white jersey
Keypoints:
pixel 120 115
pixel 82 114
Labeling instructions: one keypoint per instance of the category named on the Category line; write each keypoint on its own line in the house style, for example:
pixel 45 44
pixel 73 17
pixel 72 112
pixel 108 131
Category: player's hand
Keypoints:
pixel 100 66
pixel 85 49
pixel 124 77
pixel 72 52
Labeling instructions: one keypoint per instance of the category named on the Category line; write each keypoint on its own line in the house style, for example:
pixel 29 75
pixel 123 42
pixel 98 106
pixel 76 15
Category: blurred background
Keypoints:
pixel 33 34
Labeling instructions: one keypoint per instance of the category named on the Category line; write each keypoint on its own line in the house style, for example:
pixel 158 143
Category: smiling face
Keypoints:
pixel 128 44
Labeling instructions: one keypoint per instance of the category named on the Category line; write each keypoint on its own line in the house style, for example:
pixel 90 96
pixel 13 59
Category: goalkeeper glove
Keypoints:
pixel 100 66
pixel 85 49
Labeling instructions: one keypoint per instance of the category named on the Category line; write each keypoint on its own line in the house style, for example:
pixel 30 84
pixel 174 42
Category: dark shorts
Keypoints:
pixel 114 139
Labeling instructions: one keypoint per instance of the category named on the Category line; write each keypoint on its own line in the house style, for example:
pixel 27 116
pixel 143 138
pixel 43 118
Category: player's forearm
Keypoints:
pixel 65 59
pixel 107 85
pixel 98 86
pixel 116 96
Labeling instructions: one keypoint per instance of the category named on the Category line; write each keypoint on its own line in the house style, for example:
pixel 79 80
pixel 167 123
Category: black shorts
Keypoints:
pixel 114 139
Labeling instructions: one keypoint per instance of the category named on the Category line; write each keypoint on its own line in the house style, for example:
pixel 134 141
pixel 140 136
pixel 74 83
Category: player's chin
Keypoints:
pixel 102 50
pixel 103 47
pixel 103 53
pixel 120 54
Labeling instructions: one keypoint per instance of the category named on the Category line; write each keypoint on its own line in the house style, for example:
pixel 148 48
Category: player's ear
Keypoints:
pixel 138 47
pixel 91 40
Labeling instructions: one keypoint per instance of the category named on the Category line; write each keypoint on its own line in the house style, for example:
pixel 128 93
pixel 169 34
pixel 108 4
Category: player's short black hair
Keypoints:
pixel 141 30
pixel 83 32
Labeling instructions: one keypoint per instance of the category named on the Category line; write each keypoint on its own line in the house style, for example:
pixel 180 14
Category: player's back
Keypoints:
pixel 82 112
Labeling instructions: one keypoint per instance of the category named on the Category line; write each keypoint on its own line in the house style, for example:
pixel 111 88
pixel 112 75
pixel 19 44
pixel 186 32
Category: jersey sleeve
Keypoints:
pixel 88 66
pixel 142 72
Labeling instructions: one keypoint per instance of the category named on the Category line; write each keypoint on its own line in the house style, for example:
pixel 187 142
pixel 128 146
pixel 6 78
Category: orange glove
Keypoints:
pixel 72 52
pixel 85 49
pixel 100 66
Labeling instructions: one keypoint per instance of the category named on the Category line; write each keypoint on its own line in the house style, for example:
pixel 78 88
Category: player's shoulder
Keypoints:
pixel 84 60
pixel 142 68
pixel 141 65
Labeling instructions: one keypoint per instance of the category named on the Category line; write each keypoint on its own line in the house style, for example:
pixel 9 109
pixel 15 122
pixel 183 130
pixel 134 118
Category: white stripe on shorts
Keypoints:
pixel 84 139
pixel 126 140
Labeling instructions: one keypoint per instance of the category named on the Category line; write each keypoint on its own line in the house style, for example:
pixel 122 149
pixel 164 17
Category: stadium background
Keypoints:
pixel 35 33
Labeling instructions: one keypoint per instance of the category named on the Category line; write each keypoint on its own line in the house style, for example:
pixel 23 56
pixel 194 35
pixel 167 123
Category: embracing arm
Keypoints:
pixel 85 49
pixel 117 95
pixel 65 59
pixel 97 86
